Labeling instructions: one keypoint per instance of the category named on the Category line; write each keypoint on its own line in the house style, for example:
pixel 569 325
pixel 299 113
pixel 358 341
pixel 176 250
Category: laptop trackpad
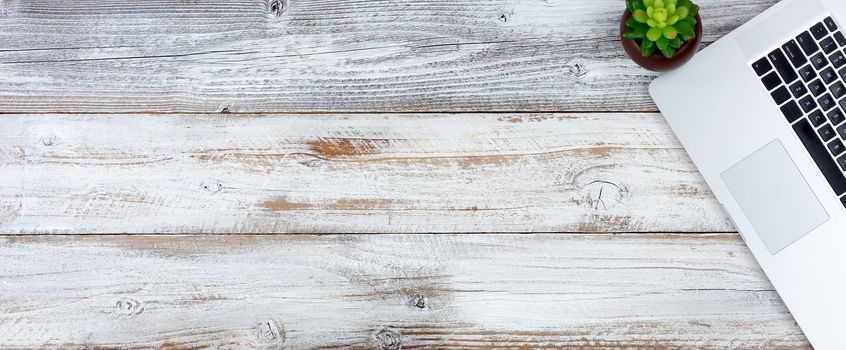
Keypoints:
pixel 774 196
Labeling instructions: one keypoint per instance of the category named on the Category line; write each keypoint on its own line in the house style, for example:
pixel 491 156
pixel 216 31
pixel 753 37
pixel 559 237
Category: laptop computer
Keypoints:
pixel 762 114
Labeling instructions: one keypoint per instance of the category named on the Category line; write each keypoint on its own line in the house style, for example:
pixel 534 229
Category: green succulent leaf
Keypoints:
pixel 676 43
pixel 670 32
pixel 632 36
pixel 673 19
pixel 694 10
pixel 640 31
pixel 684 27
pixel 668 52
pixel 662 43
pixel 649 51
pixel 647 48
pixel 654 33
pixel 632 23
pixel 640 16
pixel 682 12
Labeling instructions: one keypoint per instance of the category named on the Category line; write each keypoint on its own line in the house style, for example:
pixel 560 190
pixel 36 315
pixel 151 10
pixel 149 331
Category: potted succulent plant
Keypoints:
pixel 661 35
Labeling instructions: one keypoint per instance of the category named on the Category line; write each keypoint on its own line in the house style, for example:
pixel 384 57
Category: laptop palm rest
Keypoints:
pixel 774 196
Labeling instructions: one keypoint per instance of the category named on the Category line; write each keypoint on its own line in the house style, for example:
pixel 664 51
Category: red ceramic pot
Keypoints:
pixel 657 62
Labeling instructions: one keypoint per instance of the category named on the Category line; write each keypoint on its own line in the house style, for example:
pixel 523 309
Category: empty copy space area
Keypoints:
pixel 356 174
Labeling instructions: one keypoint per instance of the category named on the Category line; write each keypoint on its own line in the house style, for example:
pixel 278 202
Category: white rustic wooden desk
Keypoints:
pixel 189 174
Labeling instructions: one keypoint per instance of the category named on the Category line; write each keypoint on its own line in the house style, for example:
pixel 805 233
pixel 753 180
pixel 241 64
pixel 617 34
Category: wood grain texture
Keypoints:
pixel 326 55
pixel 633 291
pixel 349 173
pixel 146 159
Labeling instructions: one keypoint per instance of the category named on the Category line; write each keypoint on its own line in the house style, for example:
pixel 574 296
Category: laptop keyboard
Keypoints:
pixel 805 78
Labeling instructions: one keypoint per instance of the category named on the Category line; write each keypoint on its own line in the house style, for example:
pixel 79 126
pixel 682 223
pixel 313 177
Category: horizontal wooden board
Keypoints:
pixel 631 291
pixel 349 173
pixel 326 55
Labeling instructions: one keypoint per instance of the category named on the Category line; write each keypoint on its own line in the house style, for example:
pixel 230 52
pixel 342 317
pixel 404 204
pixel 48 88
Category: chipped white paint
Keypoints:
pixel 349 173
pixel 338 55
pixel 483 291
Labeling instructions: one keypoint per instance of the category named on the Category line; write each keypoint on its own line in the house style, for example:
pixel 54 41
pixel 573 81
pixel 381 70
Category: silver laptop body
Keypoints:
pixel 772 149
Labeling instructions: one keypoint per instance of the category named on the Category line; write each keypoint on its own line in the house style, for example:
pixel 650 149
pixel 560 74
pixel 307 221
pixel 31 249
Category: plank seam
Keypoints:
pixel 342 112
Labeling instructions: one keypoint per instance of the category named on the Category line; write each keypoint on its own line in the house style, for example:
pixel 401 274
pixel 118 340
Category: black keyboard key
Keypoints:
pixel 828 75
pixel 817 118
pixel 842 104
pixel 828 45
pixel 794 54
pixel 837 59
pixel 843 201
pixel 842 162
pixel 816 87
pixel 820 155
pixel 791 111
pixel 841 130
pixel 826 102
pixel 762 66
pixel 842 73
pixel 807 43
pixel 836 116
pixel 836 147
pixel 798 89
pixel 807 104
pixel 784 69
pixel 807 73
pixel 819 31
pixel 818 61
pixel 826 132
pixel 780 95
pixel 840 38
pixel 771 81
pixel 838 90
pixel 829 22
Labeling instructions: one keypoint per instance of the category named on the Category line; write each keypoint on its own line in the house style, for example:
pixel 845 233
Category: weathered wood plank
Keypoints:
pixel 326 55
pixel 424 291
pixel 349 173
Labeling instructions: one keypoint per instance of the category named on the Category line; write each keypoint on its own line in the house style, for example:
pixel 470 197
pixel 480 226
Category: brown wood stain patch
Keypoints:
pixel 360 204
pixel 335 148
pixel 283 204
pixel 174 346
pixel 203 299
pixel 514 119
pixel 686 190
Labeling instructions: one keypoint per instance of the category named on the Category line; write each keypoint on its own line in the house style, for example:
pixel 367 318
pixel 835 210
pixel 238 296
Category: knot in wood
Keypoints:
pixel 388 339
pixel 129 306
pixel 49 141
pixel 277 7
pixel 602 195
pixel 578 70
pixel 420 301
pixel 271 331
pixel 503 17
pixel 212 186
